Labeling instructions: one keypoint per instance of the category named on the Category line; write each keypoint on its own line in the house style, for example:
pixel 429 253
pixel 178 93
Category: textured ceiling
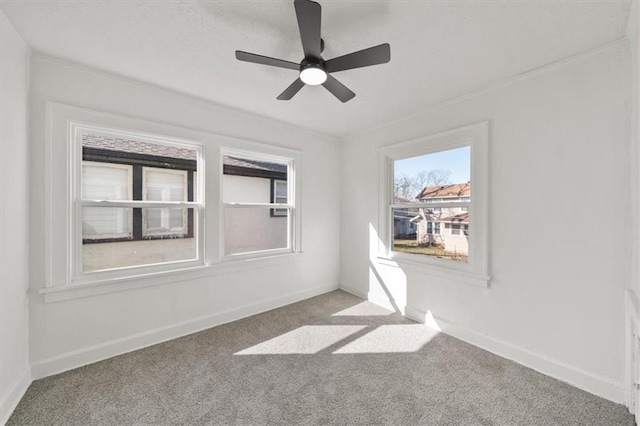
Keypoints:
pixel 439 49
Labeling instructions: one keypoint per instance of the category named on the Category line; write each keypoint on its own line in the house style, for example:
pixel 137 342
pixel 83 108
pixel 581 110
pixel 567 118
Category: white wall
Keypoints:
pixel 559 237
pixel 14 217
pixel 69 333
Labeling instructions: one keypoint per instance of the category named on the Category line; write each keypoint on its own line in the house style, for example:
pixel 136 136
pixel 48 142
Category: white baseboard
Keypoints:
pixel 89 355
pixel 415 314
pixel 15 394
pixel 354 290
pixel 585 380
pixel 372 297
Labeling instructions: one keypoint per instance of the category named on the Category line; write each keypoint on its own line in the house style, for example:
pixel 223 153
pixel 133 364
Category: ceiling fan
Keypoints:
pixel 314 70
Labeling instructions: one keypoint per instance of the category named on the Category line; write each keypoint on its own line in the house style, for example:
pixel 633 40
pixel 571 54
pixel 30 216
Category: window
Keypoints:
pixel 252 185
pixel 126 201
pixel 165 185
pixel 443 178
pixel 125 204
pixel 439 188
pixel 279 196
pixel 433 227
pixel 109 182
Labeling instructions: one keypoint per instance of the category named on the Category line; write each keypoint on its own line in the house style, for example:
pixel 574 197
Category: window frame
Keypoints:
pixel 475 136
pixel 78 275
pixel 293 227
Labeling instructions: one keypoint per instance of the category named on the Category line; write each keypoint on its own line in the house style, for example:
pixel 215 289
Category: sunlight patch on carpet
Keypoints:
pixel 309 339
pixel 396 338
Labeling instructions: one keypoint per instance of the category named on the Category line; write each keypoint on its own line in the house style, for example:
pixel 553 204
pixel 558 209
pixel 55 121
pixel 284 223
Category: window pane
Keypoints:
pixel 250 181
pixel 438 177
pixel 103 223
pixel 249 229
pixel 104 181
pixel 417 231
pixel 101 250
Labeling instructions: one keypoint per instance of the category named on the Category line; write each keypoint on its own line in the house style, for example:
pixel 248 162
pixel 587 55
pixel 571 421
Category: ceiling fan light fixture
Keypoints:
pixel 313 76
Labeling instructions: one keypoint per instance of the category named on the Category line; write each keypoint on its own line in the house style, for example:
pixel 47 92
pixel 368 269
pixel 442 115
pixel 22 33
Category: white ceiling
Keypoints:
pixel 439 49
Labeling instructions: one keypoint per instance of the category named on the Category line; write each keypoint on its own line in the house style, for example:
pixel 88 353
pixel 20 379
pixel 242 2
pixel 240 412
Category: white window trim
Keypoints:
pixel 476 271
pixel 78 276
pixel 292 160
pixel 58 285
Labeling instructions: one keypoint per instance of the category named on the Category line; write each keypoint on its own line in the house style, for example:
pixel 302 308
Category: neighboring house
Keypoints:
pixel 404 223
pixel 441 226
pixel 117 169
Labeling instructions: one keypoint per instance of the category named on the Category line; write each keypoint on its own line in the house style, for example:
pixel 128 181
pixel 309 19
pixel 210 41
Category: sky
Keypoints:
pixel 457 161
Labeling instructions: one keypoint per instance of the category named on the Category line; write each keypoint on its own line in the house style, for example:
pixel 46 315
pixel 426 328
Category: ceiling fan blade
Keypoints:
pixel 265 60
pixel 338 89
pixel 363 58
pixel 290 91
pixel 309 18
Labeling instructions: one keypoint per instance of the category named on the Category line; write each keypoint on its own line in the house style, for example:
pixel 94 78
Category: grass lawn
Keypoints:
pixel 411 246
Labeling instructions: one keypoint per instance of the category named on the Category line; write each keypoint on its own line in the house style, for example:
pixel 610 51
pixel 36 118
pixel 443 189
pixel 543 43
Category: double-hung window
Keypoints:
pixel 440 184
pixel 133 205
pixel 257 205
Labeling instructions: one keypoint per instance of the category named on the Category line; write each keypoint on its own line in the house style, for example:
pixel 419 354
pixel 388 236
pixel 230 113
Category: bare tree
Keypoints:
pixel 439 177
pixel 409 187
pixel 403 187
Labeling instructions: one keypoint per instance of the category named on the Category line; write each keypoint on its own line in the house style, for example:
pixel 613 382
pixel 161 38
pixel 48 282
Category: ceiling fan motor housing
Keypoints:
pixel 312 63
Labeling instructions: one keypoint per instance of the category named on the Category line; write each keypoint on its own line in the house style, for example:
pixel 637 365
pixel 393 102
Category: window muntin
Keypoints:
pixel 258 210
pixel 132 214
pixel 437 188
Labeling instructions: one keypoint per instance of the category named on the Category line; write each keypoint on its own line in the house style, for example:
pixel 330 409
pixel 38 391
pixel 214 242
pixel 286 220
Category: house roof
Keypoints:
pixel 450 190
pixel 254 164
pixel 137 147
pixel 399 199
pixel 145 148
pixel 460 217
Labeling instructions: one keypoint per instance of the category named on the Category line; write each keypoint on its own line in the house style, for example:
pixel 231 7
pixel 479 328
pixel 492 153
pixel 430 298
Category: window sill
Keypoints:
pixel 449 273
pixel 75 291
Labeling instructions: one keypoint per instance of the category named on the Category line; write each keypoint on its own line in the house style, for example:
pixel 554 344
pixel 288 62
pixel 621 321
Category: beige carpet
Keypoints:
pixel 333 359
